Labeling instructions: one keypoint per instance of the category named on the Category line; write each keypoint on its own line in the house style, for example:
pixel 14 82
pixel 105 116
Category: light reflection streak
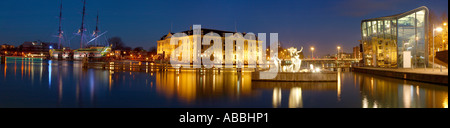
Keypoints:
pixel 91 84
pixel 29 68
pixel 6 65
pixel 22 69
pixel 407 95
pixel 276 98
pixel 110 79
pixel 40 72
pixel 339 86
pixel 445 103
pixel 32 73
pixel 49 73
pixel 60 89
pixel 295 98
pixel 15 67
pixel 365 102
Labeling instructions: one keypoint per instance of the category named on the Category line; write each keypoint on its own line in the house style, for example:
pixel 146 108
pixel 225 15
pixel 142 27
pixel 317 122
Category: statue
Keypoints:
pixel 295 59
pixel 277 63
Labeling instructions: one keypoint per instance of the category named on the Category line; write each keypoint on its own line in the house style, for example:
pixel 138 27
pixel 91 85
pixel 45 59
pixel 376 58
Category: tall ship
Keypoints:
pixel 90 46
pixel 60 52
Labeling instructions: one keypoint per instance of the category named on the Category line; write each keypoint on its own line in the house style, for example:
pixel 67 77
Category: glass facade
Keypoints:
pixel 386 40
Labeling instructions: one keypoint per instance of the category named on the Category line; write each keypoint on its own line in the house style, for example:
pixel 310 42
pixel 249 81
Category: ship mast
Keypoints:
pixel 82 24
pixel 60 32
pixel 96 31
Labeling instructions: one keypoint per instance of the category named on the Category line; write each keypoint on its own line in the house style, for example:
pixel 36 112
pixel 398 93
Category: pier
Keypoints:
pixel 327 76
pixel 420 74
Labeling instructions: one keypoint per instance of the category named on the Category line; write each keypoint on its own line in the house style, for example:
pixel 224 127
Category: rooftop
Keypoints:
pixel 398 15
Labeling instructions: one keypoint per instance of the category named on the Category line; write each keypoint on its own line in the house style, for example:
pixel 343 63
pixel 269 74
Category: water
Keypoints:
pixel 62 84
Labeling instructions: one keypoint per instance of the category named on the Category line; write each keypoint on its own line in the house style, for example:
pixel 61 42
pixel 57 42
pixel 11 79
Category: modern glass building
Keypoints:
pixel 397 41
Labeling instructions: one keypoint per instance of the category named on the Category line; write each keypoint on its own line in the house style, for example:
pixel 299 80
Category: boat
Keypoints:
pixel 91 52
pixel 65 54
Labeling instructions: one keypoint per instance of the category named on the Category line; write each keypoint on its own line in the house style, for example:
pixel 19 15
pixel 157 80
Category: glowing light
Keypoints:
pixel 445 104
pixel 365 103
pixel 445 23
pixel 439 29
pixel 317 69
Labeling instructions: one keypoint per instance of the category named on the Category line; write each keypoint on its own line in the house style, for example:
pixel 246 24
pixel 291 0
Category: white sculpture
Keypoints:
pixel 277 63
pixel 295 59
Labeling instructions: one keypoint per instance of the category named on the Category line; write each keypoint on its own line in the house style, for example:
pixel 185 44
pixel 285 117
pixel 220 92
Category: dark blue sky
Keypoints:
pixel 320 23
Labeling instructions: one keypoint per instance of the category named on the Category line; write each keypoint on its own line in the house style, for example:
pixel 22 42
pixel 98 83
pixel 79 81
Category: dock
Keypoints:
pixel 328 76
pixel 417 74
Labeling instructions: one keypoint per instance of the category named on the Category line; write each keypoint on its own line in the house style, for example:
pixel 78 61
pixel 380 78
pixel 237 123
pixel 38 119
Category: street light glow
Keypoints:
pixel 439 29
pixel 312 48
pixel 445 23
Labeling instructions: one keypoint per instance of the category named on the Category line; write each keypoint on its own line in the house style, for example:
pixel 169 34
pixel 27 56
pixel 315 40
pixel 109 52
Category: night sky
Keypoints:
pixel 324 24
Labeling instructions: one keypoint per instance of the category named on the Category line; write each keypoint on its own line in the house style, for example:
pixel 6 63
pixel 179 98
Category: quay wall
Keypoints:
pixel 299 77
pixel 422 77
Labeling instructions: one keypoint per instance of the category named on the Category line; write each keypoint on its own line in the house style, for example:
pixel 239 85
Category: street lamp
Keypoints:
pixel 312 52
pixel 337 55
pixel 438 30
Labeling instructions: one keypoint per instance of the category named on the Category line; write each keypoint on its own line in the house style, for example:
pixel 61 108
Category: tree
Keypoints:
pixel 138 49
pixel 153 50
pixel 117 43
pixel 126 48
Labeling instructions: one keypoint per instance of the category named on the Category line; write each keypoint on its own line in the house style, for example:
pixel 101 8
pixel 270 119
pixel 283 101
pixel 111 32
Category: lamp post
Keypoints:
pixel 312 52
pixel 338 47
pixel 337 56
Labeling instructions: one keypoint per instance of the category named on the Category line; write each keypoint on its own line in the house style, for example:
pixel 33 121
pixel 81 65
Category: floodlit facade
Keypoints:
pixel 164 48
pixel 397 41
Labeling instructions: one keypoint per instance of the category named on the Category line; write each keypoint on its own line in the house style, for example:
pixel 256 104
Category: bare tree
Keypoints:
pixel 117 43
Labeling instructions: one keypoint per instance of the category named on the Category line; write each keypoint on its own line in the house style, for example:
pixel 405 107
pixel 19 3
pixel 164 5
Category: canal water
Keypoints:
pixel 36 83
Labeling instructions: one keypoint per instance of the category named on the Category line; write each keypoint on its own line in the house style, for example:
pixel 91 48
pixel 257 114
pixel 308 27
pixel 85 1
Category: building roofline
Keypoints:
pixel 206 31
pixel 398 15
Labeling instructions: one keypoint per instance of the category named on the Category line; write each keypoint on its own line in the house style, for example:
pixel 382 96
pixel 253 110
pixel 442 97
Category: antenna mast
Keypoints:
pixel 60 32
pixel 82 24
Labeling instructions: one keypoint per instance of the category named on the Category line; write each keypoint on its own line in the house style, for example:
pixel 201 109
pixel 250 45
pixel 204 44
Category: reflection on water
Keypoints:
pixel 38 83
pixel 393 93
pixel 276 100
pixel 295 98
pixel 191 85
pixel 294 90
